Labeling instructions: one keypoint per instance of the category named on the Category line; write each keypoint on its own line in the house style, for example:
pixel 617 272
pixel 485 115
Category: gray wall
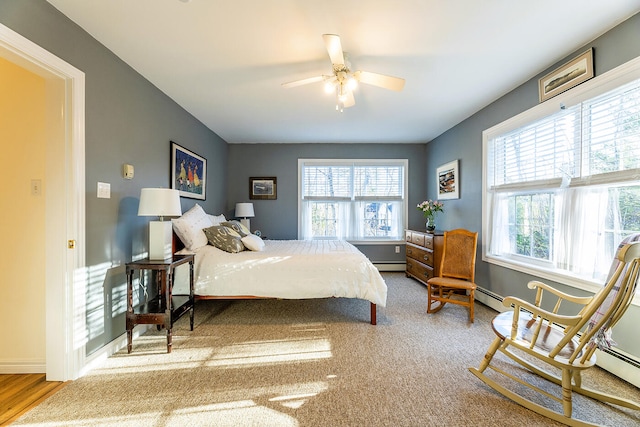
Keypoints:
pixel 278 219
pixel 464 142
pixel 128 120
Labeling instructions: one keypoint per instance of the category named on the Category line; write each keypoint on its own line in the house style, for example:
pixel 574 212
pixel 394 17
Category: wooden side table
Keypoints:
pixel 165 308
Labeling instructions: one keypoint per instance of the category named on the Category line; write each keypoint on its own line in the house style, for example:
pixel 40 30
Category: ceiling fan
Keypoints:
pixel 343 81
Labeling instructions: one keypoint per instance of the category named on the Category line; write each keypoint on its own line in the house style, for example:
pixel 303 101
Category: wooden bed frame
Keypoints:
pixel 178 245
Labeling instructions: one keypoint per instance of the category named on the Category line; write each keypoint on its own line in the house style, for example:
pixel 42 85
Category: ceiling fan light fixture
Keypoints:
pixel 343 82
pixel 352 83
pixel 330 86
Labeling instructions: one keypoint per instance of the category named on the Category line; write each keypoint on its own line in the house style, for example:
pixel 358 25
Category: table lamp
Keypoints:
pixel 245 211
pixel 159 202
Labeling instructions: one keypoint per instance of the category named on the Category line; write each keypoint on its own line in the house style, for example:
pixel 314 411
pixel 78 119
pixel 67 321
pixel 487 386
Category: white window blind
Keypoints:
pixel 378 182
pixel 542 152
pixel 322 181
pixel 612 132
pixel 356 200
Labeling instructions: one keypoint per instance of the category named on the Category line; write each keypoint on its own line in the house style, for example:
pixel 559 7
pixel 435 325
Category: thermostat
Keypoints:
pixel 127 171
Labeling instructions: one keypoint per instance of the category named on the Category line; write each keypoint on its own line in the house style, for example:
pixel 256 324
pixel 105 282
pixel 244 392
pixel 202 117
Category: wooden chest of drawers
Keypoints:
pixel 424 253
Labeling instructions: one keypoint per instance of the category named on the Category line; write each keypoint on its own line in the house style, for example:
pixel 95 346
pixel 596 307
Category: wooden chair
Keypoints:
pixel 455 283
pixel 566 342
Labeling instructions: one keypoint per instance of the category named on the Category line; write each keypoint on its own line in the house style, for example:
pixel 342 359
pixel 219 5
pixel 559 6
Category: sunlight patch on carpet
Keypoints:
pixel 230 414
pixel 257 353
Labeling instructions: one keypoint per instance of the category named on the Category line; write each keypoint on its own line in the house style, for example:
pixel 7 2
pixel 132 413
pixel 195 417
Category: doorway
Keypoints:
pixel 64 203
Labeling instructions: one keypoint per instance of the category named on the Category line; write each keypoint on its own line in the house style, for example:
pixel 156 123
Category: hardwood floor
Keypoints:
pixel 21 392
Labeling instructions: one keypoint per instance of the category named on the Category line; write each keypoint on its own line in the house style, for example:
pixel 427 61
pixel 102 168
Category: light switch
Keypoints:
pixel 104 190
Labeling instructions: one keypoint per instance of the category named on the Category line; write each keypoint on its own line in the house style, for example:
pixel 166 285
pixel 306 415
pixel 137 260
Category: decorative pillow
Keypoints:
pixel 238 226
pixel 224 238
pixel 217 219
pixel 189 227
pixel 253 242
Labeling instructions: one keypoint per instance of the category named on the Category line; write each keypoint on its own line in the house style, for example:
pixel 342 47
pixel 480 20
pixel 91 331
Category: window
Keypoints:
pixel 356 200
pixel 562 188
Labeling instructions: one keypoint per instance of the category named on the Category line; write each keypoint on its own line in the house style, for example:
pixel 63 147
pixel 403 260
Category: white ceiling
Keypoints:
pixel 225 61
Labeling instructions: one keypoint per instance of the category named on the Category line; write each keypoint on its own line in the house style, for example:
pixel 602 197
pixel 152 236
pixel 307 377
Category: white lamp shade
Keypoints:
pixel 244 210
pixel 159 202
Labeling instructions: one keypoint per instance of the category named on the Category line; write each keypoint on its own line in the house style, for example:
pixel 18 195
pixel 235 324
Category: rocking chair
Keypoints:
pixel 565 342
pixel 455 283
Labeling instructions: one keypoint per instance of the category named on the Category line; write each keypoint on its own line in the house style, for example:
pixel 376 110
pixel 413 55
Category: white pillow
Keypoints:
pixel 253 242
pixel 217 219
pixel 189 227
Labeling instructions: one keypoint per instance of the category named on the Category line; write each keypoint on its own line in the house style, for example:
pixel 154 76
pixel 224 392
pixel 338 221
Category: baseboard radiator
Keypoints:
pixel 390 266
pixel 628 370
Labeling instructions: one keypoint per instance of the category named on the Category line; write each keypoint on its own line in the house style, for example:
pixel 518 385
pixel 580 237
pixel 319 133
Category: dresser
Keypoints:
pixel 424 253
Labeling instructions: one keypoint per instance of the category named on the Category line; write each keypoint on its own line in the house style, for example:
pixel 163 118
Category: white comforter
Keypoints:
pixel 288 269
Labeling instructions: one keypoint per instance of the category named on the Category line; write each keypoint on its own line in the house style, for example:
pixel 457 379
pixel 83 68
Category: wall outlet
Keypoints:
pixel 397 249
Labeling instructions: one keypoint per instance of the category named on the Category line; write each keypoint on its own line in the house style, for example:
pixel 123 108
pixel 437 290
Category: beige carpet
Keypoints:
pixel 309 363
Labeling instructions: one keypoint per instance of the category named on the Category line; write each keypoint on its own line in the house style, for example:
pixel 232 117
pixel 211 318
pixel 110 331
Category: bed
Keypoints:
pixel 285 269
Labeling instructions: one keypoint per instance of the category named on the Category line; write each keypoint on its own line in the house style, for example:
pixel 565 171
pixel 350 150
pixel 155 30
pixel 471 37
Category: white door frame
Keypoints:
pixel 65 270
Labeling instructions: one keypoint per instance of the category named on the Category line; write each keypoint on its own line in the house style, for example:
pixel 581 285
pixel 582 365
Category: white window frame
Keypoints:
pixel 349 162
pixel 608 81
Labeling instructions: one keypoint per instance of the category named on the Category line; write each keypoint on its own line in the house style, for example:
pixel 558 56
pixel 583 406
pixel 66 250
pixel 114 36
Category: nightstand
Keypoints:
pixel 165 308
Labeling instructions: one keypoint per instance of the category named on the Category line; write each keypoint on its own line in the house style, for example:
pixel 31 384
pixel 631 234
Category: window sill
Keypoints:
pixel 549 274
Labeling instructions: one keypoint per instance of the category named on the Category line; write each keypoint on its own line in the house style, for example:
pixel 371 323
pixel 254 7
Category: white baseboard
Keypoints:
pixel 619 368
pixel 96 359
pixel 90 362
pixel 390 266
pixel 23 367
pixel 490 299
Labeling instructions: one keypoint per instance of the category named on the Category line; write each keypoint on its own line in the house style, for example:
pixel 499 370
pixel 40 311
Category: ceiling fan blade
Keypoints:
pixel 334 47
pixel 303 81
pixel 350 101
pixel 380 80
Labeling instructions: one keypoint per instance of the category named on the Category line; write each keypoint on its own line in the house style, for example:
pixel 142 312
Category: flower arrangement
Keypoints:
pixel 430 207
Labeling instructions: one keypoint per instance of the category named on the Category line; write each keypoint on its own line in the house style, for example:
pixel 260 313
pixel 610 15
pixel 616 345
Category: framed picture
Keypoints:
pixel 448 181
pixel 263 188
pixel 571 74
pixel 188 172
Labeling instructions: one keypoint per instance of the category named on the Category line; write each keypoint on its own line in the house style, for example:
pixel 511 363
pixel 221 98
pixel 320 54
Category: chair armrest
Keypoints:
pixel 560 319
pixel 576 299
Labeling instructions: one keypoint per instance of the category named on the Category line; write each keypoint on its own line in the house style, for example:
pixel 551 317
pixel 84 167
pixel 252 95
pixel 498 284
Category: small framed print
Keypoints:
pixel 263 188
pixel 188 172
pixel 574 72
pixel 448 181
